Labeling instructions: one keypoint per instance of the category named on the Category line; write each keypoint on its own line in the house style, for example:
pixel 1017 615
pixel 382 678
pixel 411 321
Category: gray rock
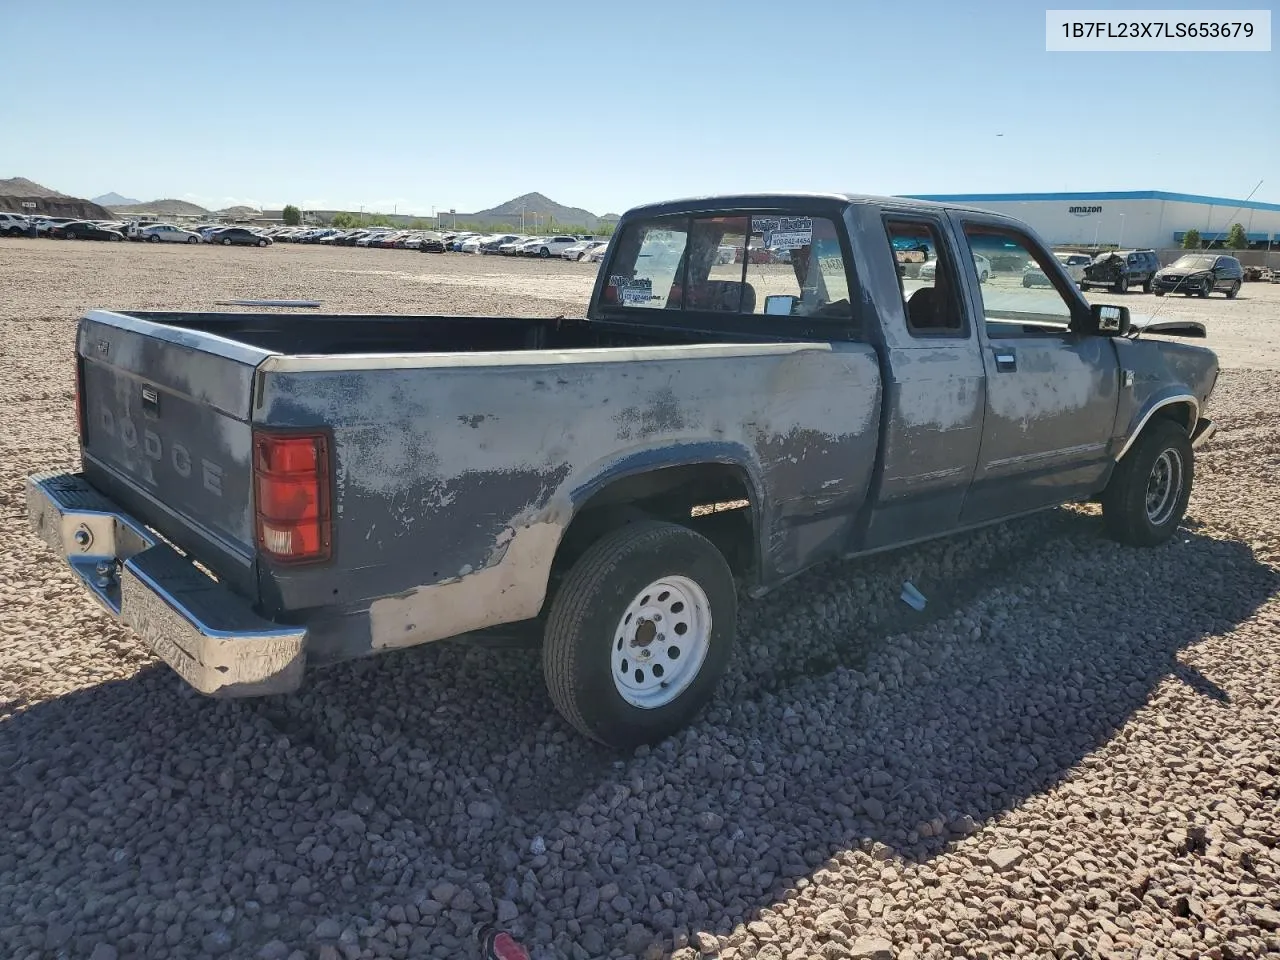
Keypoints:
pixel 321 853
pixel 1267 918
pixel 1004 858
pixel 329 929
pixel 507 911
pixel 104 951
pixel 274 950
pixel 873 808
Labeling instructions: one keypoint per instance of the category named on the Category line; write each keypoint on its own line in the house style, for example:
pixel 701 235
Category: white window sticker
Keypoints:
pixel 636 291
pixel 784 233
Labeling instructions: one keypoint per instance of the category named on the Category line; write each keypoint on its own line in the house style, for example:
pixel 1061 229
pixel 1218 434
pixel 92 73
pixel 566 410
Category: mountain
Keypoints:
pixel 115 200
pixel 22 187
pixel 531 204
pixel 238 213
pixel 163 208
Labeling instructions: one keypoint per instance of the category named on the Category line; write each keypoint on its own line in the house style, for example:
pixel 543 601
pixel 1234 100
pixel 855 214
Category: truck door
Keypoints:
pixel 1052 394
pixel 934 396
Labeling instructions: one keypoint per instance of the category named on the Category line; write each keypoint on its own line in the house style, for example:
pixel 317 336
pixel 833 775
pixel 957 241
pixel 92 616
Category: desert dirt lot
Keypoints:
pixel 1072 752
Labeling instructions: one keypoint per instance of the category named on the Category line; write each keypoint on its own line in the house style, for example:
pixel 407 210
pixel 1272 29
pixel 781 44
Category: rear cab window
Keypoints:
pixel 786 269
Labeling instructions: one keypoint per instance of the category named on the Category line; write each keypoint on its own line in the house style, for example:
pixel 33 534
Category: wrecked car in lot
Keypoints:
pixel 261 493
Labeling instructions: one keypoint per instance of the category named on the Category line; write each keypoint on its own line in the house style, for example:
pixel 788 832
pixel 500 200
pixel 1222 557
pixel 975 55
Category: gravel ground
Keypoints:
pixel 1072 752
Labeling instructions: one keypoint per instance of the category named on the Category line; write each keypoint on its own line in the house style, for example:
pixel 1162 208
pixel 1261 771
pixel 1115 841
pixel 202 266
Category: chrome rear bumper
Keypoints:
pixel 1205 429
pixel 204 631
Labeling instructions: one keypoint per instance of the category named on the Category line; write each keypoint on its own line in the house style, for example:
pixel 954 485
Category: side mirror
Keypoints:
pixel 1108 320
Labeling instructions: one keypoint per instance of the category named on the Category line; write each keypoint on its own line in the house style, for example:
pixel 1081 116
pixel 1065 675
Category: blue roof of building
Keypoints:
pixel 1105 195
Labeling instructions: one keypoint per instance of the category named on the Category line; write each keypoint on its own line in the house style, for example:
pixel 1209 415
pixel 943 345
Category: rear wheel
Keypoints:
pixel 193 239
pixel 1147 496
pixel 226 242
pixel 639 633
pixel 1158 293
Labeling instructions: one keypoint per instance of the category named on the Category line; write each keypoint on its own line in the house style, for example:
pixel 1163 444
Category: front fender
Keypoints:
pixel 1167 399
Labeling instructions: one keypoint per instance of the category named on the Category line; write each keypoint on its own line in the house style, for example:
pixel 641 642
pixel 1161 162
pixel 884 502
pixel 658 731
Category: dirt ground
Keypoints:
pixel 1072 752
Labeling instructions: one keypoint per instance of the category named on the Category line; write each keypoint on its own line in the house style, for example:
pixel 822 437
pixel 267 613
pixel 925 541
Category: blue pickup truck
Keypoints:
pixel 266 492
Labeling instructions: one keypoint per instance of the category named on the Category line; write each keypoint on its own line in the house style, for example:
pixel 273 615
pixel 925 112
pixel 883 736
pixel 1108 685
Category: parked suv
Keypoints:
pixel 14 225
pixel 1121 269
pixel 1201 273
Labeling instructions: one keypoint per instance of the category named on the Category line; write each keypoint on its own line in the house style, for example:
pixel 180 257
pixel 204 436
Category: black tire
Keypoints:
pixel 193 239
pixel 153 239
pixel 226 242
pixel 1158 293
pixel 1126 510
pixel 262 243
pixel 584 617
pixel 544 253
pixel 1235 288
pixel 1121 285
pixel 1147 285
pixel 1206 288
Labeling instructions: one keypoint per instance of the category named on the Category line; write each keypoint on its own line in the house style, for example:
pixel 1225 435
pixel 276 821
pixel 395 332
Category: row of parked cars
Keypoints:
pixel 67 228
pixel 564 246
pixel 1192 274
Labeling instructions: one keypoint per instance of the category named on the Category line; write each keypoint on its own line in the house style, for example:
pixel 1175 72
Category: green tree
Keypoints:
pixel 344 221
pixel 292 216
pixel 1191 239
pixel 1236 238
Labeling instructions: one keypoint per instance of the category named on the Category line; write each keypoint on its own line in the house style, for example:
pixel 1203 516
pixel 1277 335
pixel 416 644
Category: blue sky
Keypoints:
pixel 603 105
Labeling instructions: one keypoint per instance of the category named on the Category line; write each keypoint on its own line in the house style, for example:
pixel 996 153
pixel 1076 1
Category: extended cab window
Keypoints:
pixel 1010 308
pixel 732 263
pixel 926 278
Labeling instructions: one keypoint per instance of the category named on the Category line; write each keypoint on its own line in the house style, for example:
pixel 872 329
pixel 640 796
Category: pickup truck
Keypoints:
pixel 263 492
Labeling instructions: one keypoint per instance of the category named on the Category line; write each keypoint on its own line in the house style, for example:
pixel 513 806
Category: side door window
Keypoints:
pixel 927 278
pixel 1010 309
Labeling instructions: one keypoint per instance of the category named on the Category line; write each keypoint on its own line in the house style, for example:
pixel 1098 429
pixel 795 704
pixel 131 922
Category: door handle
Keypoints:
pixel 1006 361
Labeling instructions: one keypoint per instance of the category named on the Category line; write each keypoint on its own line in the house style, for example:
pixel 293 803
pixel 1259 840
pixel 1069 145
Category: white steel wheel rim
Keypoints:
pixel 661 642
pixel 1164 487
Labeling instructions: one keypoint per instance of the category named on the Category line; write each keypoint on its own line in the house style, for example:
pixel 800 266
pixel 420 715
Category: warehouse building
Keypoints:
pixel 1137 218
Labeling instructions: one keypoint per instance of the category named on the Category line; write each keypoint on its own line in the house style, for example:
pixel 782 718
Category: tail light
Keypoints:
pixel 291 494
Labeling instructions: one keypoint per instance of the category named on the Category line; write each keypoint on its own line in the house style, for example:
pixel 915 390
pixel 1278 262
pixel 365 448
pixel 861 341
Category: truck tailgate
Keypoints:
pixel 166 422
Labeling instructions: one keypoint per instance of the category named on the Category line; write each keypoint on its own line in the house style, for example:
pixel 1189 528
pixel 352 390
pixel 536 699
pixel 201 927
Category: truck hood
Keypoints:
pixel 1168 327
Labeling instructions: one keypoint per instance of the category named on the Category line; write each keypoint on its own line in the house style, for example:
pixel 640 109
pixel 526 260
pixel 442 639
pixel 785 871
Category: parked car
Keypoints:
pixel 240 237
pixel 44 225
pixel 14 224
pixel 1075 264
pixel 168 233
pixel 1201 274
pixel 84 230
pixel 276 454
pixel 455 245
pixel 1119 270
pixel 548 246
pixel 928 270
pixel 512 247
pixel 494 242
pixel 596 254
pixel 432 243
pixel 580 249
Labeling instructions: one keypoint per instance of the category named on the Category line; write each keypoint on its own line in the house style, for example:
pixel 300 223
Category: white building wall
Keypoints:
pixel 1130 223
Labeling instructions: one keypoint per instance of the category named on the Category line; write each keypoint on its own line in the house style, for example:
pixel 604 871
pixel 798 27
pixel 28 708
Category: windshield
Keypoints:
pixel 1193 263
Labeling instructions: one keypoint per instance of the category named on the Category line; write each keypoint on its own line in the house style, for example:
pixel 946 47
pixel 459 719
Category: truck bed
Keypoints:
pixel 336 334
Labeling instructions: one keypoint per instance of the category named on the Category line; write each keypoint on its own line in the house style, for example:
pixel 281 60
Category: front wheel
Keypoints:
pixel 1235 288
pixel 262 243
pixel 1147 496
pixel 226 242
pixel 1147 285
pixel 1158 293
pixel 544 253
pixel 1122 285
pixel 639 633
pixel 1207 288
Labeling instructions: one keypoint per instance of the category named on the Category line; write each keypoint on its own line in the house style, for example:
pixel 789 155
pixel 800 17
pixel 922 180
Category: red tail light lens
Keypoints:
pixel 291 491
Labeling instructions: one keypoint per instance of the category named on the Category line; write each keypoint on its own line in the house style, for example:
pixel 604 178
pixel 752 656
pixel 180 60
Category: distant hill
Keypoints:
pixel 22 187
pixel 20 195
pixel 531 204
pixel 115 200
pixel 238 213
pixel 163 208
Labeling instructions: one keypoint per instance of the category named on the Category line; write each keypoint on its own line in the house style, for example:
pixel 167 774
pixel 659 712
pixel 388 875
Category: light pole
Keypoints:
pixel 1096 227
pixel 1120 243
